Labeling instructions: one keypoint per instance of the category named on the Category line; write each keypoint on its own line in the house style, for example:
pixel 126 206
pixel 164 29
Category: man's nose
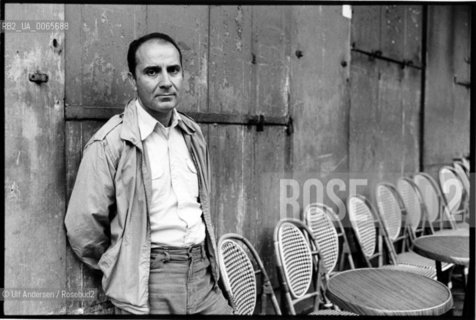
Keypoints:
pixel 165 80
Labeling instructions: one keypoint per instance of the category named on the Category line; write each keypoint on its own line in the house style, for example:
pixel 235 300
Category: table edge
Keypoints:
pixel 445 305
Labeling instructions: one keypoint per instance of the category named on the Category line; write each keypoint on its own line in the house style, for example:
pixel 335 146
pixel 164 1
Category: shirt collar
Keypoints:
pixel 147 123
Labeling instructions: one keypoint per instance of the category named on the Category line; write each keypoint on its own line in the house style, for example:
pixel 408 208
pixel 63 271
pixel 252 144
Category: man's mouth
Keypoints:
pixel 166 96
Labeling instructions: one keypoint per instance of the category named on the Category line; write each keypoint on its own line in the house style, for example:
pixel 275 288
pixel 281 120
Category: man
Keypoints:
pixel 140 210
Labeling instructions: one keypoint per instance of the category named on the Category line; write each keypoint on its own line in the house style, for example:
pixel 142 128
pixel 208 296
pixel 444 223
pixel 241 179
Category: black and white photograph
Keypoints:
pixel 238 159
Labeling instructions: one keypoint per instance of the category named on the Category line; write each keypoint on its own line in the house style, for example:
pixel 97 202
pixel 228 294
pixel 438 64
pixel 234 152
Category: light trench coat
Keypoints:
pixel 107 220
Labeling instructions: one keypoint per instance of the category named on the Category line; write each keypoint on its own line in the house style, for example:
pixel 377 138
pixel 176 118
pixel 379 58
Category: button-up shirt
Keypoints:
pixel 175 213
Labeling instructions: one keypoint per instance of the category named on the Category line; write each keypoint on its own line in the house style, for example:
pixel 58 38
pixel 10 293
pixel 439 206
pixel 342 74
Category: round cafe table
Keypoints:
pixel 444 248
pixel 373 291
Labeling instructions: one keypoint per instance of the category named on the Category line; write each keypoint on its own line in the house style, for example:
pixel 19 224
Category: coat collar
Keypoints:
pixel 130 127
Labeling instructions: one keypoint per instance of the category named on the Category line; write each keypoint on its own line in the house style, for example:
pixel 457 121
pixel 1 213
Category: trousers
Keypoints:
pixel 180 282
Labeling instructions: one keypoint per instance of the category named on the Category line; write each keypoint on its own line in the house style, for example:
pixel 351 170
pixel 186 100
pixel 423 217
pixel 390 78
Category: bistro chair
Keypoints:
pixel 464 178
pixel 241 268
pixel 327 229
pixel 464 163
pixel 300 266
pixel 433 206
pixel 371 237
pixel 392 214
pixel 417 222
pixel 453 191
pixel 462 174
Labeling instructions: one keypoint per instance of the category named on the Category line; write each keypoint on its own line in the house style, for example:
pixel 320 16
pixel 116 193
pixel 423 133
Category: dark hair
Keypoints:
pixel 134 46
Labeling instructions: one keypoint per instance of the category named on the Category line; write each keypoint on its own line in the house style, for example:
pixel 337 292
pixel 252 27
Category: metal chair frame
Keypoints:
pixel 241 266
pixel 299 263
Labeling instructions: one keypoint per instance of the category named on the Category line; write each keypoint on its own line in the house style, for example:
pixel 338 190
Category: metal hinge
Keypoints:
pixel 466 84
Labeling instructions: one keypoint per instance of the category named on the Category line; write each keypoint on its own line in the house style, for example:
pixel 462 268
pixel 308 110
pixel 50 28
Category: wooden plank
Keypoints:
pixel 80 277
pixel 388 97
pixel 229 177
pixel 392 30
pixel 462 72
pixel 411 97
pixel 104 113
pixel 413 34
pixel 363 145
pixel 188 25
pixel 91 112
pixel 270 58
pixel 447 105
pixel 267 154
pixel 366 21
pixel 395 31
pixel 34 162
pixel 96 72
pixel 74 267
pixel 320 104
pixel 230 62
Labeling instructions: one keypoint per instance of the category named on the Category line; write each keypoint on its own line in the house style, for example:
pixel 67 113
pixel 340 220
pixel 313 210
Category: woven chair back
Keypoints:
pixel 462 175
pixel 429 194
pixel 451 187
pixel 363 223
pixel 318 218
pixel 239 274
pixel 412 201
pixel 296 259
pixel 390 210
pixel 243 273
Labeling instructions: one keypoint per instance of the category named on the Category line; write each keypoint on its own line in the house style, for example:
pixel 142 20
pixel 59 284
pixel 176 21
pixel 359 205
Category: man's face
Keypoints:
pixel 158 77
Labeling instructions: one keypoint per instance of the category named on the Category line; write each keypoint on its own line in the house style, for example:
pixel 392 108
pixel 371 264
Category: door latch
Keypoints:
pixel 38 77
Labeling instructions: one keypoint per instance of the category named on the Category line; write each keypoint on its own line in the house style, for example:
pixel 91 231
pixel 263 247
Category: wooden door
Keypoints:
pixel 236 66
pixel 386 73
pixel 447 98
pixel 34 162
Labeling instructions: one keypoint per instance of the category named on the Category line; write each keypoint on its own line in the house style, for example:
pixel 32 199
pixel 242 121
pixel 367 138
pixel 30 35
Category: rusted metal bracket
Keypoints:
pixel 38 77
pixel 260 121
pixel 377 54
pixel 465 84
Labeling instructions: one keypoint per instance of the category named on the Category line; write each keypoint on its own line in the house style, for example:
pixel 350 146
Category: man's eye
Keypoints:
pixel 151 72
pixel 174 70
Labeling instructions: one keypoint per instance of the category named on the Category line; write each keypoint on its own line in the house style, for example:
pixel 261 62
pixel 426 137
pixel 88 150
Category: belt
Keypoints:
pixel 180 254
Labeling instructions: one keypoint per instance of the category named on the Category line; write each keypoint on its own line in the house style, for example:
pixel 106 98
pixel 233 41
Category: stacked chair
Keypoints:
pixel 416 219
pixel 327 228
pixel 402 227
pixel 454 197
pixel 463 175
pixel 434 206
pixel 242 270
pixel 300 267
pixel 308 253
pixel 372 235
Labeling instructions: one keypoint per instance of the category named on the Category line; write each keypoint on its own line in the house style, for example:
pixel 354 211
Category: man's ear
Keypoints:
pixel 132 80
